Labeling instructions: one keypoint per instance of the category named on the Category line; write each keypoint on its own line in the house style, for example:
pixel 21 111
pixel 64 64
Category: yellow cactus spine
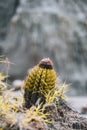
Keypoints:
pixel 41 79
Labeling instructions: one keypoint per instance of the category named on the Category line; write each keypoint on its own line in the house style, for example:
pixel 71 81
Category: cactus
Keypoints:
pixel 41 79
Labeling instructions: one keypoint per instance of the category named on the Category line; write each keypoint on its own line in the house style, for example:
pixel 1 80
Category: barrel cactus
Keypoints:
pixel 41 79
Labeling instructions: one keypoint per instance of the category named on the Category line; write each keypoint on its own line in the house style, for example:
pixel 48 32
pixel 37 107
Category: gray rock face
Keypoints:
pixel 49 28
pixel 7 9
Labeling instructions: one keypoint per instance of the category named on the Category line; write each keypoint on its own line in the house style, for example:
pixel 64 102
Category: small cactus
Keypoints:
pixel 41 79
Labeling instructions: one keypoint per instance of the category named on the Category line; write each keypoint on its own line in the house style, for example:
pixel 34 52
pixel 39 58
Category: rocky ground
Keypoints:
pixel 62 118
pixel 67 119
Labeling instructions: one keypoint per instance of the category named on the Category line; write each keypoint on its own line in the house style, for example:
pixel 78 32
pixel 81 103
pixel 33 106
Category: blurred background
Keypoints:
pixel 33 29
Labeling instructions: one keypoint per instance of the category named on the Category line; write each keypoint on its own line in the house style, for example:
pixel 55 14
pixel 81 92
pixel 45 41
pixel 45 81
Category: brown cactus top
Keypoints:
pixel 46 63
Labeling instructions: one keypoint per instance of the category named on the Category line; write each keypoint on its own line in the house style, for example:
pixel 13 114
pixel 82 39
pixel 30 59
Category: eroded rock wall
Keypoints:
pixel 48 28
